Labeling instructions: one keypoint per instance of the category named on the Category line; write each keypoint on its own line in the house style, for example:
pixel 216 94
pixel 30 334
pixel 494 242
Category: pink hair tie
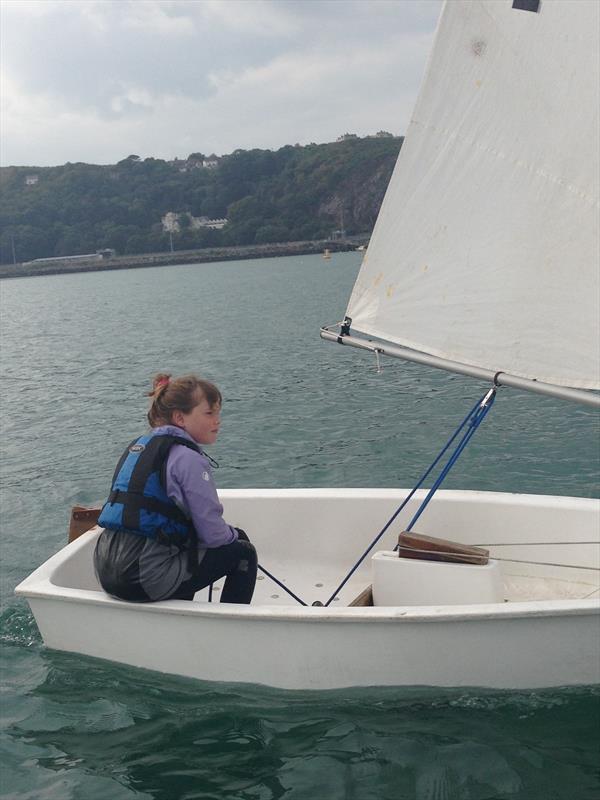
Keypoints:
pixel 163 382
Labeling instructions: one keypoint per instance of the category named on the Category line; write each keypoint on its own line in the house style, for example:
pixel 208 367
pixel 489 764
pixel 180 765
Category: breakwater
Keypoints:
pixel 276 249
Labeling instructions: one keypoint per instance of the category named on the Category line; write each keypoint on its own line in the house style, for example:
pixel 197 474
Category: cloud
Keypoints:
pixel 90 80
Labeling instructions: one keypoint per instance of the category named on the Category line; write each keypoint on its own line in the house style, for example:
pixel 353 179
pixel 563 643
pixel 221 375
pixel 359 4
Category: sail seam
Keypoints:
pixel 537 171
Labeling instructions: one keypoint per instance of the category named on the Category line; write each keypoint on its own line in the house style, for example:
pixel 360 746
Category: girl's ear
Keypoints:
pixel 178 419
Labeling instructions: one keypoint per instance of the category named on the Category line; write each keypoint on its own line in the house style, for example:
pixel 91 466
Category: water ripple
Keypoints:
pixel 298 412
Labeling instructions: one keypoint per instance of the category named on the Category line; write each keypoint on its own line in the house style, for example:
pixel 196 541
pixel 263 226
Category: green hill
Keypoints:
pixel 295 193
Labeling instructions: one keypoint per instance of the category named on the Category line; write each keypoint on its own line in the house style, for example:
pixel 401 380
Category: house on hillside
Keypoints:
pixel 195 161
pixel 188 164
pixel 215 224
pixel 171 222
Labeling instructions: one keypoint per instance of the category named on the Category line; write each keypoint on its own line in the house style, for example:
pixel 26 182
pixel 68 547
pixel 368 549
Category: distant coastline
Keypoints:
pixel 204 255
pixel 246 198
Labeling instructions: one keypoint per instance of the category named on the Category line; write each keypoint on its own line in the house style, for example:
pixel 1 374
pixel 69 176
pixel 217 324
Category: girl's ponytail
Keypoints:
pixel 159 383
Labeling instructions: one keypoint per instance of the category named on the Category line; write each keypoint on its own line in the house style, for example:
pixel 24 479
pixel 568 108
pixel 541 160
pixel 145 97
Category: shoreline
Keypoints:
pixel 206 255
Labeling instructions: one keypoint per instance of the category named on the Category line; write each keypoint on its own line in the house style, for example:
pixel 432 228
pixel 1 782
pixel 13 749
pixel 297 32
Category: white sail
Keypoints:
pixel 486 248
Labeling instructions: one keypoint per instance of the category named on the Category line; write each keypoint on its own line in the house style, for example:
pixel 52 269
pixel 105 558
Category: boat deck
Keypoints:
pixel 532 584
pixel 544 555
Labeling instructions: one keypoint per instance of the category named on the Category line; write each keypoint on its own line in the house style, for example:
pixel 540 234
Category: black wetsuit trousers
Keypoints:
pixel 236 562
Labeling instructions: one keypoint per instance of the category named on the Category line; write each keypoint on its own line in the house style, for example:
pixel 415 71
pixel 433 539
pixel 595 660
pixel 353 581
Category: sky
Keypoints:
pixel 98 80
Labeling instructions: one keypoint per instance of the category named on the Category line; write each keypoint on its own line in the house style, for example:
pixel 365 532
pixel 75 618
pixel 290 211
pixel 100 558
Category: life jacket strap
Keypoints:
pixel 139 502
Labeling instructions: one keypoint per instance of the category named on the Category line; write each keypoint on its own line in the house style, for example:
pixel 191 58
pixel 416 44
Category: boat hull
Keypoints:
pixel 530 644
pixel 313 653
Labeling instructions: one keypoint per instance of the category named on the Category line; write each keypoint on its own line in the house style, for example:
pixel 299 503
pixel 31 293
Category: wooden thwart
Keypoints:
pixel 428 548
pixel 82 520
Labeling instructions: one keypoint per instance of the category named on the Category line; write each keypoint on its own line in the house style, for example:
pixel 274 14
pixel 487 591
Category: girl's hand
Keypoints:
pixel 242 535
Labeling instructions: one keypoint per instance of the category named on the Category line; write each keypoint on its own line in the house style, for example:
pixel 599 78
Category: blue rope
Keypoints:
pixel 474 418
pixel 475 422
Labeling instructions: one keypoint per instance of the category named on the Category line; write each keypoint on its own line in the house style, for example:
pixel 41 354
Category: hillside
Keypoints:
pixel 292 194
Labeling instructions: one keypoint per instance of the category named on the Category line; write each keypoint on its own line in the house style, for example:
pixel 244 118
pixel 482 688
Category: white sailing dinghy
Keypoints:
pixel 483 261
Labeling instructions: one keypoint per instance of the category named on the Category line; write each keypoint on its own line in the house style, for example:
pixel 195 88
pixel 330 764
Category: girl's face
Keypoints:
pixel 202 423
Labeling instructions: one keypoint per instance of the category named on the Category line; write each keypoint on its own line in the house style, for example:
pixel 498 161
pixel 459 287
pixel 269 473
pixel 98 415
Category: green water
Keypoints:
pixel 77 355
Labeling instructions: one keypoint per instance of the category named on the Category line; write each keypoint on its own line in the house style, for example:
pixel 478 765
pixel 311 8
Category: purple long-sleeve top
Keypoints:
pixel 190 484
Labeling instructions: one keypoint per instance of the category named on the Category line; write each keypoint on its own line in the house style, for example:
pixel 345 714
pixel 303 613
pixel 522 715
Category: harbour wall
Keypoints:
pixel 238 253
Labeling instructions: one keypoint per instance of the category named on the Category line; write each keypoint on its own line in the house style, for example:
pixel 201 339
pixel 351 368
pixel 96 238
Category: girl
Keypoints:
pixel 164 534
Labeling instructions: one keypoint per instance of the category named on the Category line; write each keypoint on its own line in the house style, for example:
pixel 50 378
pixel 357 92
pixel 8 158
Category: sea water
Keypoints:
pixel 78 352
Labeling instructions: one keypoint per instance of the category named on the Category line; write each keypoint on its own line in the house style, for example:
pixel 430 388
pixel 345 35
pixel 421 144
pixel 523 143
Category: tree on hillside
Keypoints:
pixel 289 194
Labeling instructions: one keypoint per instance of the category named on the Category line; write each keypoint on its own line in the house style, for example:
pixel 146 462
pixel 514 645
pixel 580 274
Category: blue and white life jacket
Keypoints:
pixel 138 501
